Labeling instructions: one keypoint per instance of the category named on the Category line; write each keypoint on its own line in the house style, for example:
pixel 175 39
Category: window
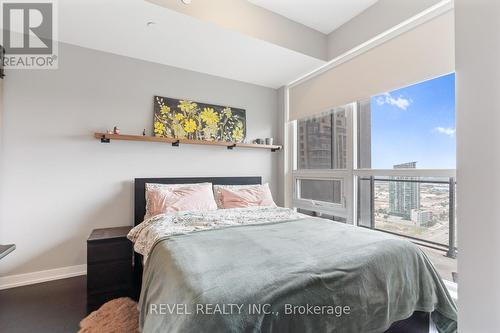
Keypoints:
pixel 323 141
pixel 411 127
pixel 320 191
pixel 400 132
pixel 416 207
pixel 396 175
pixel 322 180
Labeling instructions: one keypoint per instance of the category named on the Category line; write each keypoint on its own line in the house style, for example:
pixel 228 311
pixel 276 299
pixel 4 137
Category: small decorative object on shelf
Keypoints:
pixel 258 141
pixel 144 132
pixel 269 141
pixel 116 130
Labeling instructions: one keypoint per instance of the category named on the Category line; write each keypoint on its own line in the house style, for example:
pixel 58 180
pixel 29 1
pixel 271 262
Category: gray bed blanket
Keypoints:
pixel 305 275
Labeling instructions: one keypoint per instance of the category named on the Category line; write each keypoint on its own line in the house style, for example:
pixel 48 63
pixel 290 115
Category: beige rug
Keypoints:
pixel 119 315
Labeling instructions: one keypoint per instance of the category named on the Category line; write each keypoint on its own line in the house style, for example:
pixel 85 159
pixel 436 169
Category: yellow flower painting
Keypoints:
pixel 164 109
pixel 190 126
pixel 209 116
pixel 159 127
pixel 185 119
pixel 238 134
pixel 187 106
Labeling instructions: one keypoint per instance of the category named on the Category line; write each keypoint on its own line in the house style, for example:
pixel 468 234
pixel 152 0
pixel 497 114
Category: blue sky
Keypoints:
pixel 416 123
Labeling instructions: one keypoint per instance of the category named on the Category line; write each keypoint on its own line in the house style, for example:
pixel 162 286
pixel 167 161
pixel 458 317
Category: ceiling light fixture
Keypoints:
pixel 186 2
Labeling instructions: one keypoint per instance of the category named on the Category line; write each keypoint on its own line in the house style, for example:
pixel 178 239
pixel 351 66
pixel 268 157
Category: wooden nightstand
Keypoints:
pixel 109 266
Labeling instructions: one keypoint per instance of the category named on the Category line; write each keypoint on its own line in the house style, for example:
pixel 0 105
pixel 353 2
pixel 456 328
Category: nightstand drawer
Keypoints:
pixel 111 250
pixel 109 276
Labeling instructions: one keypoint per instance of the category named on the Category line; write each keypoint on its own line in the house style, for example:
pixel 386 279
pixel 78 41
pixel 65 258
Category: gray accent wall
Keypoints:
pixel 58 182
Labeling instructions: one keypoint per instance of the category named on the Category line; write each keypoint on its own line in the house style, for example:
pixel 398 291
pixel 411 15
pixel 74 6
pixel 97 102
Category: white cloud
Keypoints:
pixel 400 102
pixel 445 130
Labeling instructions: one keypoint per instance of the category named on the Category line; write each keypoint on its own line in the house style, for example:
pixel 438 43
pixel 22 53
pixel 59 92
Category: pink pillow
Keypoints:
pixel 236 196
pixel 162 198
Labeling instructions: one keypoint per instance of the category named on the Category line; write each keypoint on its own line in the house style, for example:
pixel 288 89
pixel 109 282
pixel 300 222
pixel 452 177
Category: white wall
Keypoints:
pixel 58 182
pixel 247 18
pixel 477 28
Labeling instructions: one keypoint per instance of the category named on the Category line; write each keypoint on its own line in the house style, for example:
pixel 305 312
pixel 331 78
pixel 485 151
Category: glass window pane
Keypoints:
pixel 364 202
pixel 411 124
pixel 320 190
pixel 407 208
pixel 322 141
pixel 364 135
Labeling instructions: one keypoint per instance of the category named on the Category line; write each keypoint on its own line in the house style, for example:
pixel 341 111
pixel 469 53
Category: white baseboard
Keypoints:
pixel 12 281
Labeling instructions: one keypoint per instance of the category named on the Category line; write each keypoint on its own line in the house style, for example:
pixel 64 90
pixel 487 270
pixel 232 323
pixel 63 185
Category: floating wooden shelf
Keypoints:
pixel 106 138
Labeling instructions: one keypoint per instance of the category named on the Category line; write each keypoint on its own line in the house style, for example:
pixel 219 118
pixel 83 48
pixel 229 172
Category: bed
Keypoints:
pixel 274 270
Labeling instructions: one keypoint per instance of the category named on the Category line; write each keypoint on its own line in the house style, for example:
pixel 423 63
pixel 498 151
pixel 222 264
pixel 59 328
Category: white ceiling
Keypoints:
pixel 322 15
pixel 119 26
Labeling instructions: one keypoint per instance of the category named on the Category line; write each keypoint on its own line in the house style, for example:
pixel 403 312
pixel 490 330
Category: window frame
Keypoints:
pixel 319 205
pixel 349 175
pixel 346 208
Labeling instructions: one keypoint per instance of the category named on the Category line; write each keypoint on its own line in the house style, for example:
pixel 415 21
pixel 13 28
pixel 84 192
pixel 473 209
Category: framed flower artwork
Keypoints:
pixel 184 119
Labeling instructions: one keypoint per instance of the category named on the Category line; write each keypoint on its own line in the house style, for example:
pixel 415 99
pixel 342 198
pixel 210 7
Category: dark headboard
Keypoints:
pixel 140 188
pixel 140 206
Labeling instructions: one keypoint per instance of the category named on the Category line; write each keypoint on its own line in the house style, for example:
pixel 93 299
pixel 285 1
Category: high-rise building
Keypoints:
pixel 315 143
pixel 339 139
pixel 404 196
pixel 322 142
pixel 421 218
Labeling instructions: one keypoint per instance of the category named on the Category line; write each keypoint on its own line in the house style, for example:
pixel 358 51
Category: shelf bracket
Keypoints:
pixel 231 146
pixel 104 139
pixel 275 149
pixel 175 144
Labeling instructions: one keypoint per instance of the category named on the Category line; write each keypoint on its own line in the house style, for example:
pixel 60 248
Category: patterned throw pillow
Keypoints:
pixel 238 196
pixel 168 198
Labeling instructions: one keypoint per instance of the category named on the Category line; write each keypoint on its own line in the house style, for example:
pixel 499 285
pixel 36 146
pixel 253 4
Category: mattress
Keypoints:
pixel 274 270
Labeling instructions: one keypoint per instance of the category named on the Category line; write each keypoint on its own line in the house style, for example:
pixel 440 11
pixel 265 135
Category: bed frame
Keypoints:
pixel 417 323
pixel 140 205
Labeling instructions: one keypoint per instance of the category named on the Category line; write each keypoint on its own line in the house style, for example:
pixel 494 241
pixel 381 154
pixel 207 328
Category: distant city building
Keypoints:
pixel 320 147
pixel 404 196
pixel 340 140
pixel 315 143
pixel 421 217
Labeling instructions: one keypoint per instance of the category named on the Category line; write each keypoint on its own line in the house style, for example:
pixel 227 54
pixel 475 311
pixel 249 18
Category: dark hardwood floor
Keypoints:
pixel 58 306
pixel 52 307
